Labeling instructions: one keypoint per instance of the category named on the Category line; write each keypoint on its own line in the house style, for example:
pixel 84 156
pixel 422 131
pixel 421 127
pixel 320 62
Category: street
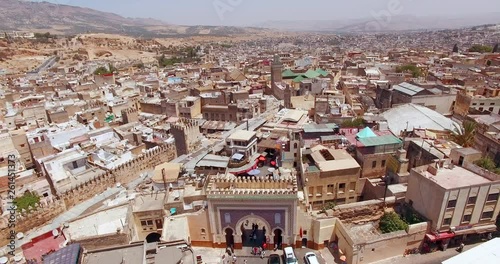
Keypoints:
pixel 213 256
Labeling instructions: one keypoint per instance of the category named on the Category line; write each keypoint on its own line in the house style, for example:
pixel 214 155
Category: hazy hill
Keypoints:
pixel 65 19
pixel 395 23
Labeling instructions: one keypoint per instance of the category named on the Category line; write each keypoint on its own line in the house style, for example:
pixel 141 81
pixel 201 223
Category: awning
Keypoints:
pixel 441 236
pixel 476 230
pixel 237 156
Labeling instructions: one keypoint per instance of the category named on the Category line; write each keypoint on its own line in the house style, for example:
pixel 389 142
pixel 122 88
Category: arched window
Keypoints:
pixel 227 218
pixel 295 145
pixel 277 218
pixel 203 231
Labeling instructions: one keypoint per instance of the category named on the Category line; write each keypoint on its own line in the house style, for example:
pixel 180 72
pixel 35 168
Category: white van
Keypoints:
pixel 290 256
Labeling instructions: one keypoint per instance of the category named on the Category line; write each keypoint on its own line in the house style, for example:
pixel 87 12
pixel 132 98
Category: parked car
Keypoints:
pixel 290 256
pixel 310 258
pixel 274 259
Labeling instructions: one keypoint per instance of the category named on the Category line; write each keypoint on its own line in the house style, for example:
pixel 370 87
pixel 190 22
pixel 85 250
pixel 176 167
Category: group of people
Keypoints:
pixel 260 250
pixel 253 235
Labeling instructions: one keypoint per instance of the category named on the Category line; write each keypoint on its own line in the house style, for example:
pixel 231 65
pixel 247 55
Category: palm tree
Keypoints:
pixel 464 135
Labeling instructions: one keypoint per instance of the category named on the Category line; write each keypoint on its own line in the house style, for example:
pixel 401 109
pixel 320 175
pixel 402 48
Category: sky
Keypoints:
pixel 253 12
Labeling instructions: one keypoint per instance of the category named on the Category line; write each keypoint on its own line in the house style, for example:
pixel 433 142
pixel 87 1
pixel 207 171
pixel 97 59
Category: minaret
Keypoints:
pixel 288 97
pixel 276 71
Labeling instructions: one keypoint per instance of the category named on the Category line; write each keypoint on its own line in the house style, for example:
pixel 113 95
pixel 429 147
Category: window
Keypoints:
pixel 203 231
pixel 472 200
pixel 352 186
pixel 311 190
pixel 330 188
pixel 481 104
pixel 277 218
pixel 481 109
pixel 227 218
pixel 492 197
pixel 150 222
pixel 319 190
pixel 383 163
pixel 487 215
pixel 452 203
pixel 341 186
pixel 374 164
pixel 467 218
pixel 492 103
pixel 447 221
pixel 23 145
pixel 490 109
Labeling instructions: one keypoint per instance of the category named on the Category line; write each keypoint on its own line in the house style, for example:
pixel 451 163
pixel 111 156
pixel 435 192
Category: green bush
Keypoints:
pixel 391 222
pixel 481 49
pixel 27 200
pixel 488 164
pixel 415 71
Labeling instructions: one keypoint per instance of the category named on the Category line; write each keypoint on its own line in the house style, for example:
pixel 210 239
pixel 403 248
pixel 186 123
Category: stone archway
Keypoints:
pixel 229 234
pixel 253 230
pixel 278 238
pixel 153 237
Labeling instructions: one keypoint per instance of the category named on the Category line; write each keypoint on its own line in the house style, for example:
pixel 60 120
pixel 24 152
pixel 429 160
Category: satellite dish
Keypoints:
pixel 55 232
pixel 18 258
pixel 20 235
pixel 4 260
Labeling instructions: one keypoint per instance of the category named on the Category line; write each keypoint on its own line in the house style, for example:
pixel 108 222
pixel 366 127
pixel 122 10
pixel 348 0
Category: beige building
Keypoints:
pixel 455 199
pixel 243 142
pixel 466 102
pixel 147 218
pixel 330 175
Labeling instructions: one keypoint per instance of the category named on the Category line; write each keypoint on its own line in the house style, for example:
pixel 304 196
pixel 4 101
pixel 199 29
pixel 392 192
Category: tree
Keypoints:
pixel 464 136
pixel 26 201
pixel 455 48
pixel 357 122
pixel 414 70
pixel 391 222
pixel 481 49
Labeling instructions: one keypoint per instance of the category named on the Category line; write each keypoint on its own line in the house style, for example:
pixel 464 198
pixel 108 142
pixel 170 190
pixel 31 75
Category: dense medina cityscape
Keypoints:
pixel 278 148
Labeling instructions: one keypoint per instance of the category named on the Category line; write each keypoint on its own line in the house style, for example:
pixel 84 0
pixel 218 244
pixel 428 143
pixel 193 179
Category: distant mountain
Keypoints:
pixel 394 23
pixel 27 15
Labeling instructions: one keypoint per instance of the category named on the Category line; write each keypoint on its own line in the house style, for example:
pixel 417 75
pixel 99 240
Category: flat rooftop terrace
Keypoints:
pixel 456 177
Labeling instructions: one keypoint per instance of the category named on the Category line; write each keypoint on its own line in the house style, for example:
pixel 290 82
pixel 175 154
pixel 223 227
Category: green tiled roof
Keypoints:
pixel 311 74
pixel 322 72
pixel 379 141
pixel 289 73
pixel 298 79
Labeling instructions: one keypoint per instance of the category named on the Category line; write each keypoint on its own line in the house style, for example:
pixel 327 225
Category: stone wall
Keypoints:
pixel 99 242
pixel 122 174
pixel 44 212
pixel 361 212
pixel 47 211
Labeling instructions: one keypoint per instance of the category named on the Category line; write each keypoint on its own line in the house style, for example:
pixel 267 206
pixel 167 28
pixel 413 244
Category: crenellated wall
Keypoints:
pixel 47 211
pixel 42 213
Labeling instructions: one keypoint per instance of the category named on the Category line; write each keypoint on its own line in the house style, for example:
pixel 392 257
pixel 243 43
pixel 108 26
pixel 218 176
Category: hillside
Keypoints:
pixel 26 15
pixel 396 23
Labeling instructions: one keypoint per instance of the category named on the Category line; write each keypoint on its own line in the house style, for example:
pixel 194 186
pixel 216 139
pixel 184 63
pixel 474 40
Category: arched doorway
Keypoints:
pixel 229 237
pixel 278 238
pixel 253 230
pixel 304 242
pixel 153 237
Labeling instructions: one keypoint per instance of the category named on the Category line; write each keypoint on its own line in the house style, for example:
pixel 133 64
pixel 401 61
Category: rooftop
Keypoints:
pixel 146 203
pixel 453 177
pixel 166 172
pixel 242 135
